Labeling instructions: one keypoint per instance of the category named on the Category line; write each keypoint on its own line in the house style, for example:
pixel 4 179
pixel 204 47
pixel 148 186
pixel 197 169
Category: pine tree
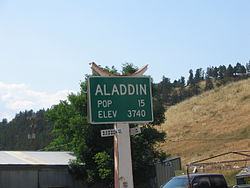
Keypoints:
pixel 190 81
pixel 243 70
pixel 182 81
pixel 209 72
pixel 209 84
pixel 222 71
pixel 198 75
pixel 238 69
pixel 215 72
pixel 248 67
pixel 229 71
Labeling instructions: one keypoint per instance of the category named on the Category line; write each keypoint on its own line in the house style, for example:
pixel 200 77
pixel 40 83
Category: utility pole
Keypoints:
pixel 32 134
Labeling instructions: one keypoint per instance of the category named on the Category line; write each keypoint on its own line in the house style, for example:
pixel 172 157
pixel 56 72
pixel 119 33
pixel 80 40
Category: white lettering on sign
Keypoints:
pixel 107 114
pixel 136 113
pixel 104 103
pixel 121 89
pixel 98 90
pixel 131 89
pixel 115 90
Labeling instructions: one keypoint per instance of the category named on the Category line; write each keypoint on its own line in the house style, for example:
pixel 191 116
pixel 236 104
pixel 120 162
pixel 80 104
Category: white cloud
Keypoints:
pixel 20 105
pixel 19 97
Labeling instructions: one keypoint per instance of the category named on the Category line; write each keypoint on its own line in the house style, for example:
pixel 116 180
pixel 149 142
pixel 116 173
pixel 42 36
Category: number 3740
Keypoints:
pixel 136 113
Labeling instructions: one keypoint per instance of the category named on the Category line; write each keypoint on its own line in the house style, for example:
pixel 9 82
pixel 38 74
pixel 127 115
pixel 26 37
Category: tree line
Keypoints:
pixel 19 134
pixel 179 90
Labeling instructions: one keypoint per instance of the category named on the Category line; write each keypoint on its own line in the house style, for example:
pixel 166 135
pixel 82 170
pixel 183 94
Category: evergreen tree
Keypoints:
pixel 14 134
pixel 229 71
pixel 198 75
pixel 237 68
pixel 209 72
pixel 195 89
pixel 190 81
pixel 222 71
pixel 4 121
pixel 209 84
pixel 248 67
pixel 165 88
pixel 215 72
pixel 179 83
pixel 182 81
pixel 243 69
pixel 176 84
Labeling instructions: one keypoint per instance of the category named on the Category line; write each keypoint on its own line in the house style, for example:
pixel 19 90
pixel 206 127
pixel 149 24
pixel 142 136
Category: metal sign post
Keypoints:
pixel 120 100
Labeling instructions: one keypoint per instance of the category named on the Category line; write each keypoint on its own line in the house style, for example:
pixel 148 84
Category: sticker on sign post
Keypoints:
pixel 110 132
pixel 119 100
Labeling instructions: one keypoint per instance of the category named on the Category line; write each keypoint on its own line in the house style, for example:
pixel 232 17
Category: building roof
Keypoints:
pixel 35 158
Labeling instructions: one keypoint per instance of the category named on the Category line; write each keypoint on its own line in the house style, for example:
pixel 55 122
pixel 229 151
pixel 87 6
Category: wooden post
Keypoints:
pixel 116 159
pixel 122 156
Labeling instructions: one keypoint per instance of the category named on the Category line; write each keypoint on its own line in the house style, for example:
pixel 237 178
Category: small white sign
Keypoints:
pixel 110 132
pixel 135 131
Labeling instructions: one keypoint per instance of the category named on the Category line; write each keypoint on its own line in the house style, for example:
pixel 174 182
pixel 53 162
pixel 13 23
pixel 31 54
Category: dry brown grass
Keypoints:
pixel 214 122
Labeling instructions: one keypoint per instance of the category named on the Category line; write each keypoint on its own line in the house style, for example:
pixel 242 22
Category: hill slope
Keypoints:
pixel 214 122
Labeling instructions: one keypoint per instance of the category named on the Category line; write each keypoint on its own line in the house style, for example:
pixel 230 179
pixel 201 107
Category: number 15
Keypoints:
pixel 141 102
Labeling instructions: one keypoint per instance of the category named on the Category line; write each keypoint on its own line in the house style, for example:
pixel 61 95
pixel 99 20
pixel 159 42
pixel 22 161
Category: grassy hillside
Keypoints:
pixel 214 122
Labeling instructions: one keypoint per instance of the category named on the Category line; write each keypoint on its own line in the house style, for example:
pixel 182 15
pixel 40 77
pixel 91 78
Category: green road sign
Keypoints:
pixel 119 99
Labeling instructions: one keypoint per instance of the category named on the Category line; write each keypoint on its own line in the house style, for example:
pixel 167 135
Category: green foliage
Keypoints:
pixel 190 78
pixel 112 70
pixel 4 122
pixel 209 84
pixel 14 134
pixel 180 83
pixel 199 75
pixel 128 68
pixel 72 132
pixel 215 72
pixel 248 67
pixel 229 71
pixel 158 111
pixel 239 69
pixel 104 163
pixel 77 170
pixel 222 71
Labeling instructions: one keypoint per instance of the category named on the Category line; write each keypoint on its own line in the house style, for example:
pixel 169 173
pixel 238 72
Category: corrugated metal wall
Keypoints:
pixel 166 170
pixel 55 178
pixel 18 179
pixel 37 178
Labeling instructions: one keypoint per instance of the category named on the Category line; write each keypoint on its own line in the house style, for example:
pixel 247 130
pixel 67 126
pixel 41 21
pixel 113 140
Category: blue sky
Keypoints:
pixel 46 46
